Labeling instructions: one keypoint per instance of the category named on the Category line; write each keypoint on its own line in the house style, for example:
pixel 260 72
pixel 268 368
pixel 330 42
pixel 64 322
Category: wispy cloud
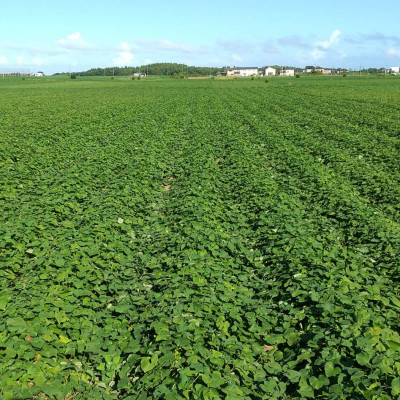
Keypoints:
pixel 164 45
pixel 365 38
pixel 270 48
pixel 294 41
pixel 31 49
pixel 3 60
pixel 22 60
pixel 215 61
pixel 236 57
pixel 234 45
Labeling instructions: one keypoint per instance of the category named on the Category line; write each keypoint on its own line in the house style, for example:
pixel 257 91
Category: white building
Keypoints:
pixel 270 71
pixel 287 72
pixel 242 71
pixel 394 70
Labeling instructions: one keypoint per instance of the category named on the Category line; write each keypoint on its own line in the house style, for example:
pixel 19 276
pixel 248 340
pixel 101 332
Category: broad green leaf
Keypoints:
pixel 4 299
pixel 214 380
pixel 396 386
pixel 16 324
pixel 64 339
pixel 306 391
pixel 148 363
pixel 269 386
pixel 330 370
pixel 363 358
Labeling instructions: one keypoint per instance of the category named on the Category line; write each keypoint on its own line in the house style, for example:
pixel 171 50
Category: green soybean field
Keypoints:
pixel 200 239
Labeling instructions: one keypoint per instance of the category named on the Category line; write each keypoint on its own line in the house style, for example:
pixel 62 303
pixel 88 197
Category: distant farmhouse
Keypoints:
pixel 325 71
pixel 309 69
pixel 287 72
pixel 394 70
pixel 270 71
pixel 241 71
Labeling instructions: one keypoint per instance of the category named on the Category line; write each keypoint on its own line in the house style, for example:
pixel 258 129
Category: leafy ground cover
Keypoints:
pixel 200 239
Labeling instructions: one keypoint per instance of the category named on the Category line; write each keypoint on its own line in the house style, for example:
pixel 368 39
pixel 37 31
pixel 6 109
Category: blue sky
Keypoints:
pixel 57 36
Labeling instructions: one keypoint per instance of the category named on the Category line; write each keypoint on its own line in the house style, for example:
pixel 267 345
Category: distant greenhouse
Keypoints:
pixel 15 72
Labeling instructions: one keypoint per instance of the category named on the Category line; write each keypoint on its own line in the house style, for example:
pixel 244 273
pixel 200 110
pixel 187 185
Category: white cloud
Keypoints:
pixel 70 38
pixel 37 61
pixel 323 49
pixel 125 46
pixel 74 36
pixel 333 39
pixel 3 60
pixel 125 57
pixel 20 60
pixel 393 52
pixel 74 41
pixel 317 54
pixel 236 57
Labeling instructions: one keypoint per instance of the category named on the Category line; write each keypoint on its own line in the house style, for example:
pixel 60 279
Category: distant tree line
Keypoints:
pixel 176 70
pixel 172 69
